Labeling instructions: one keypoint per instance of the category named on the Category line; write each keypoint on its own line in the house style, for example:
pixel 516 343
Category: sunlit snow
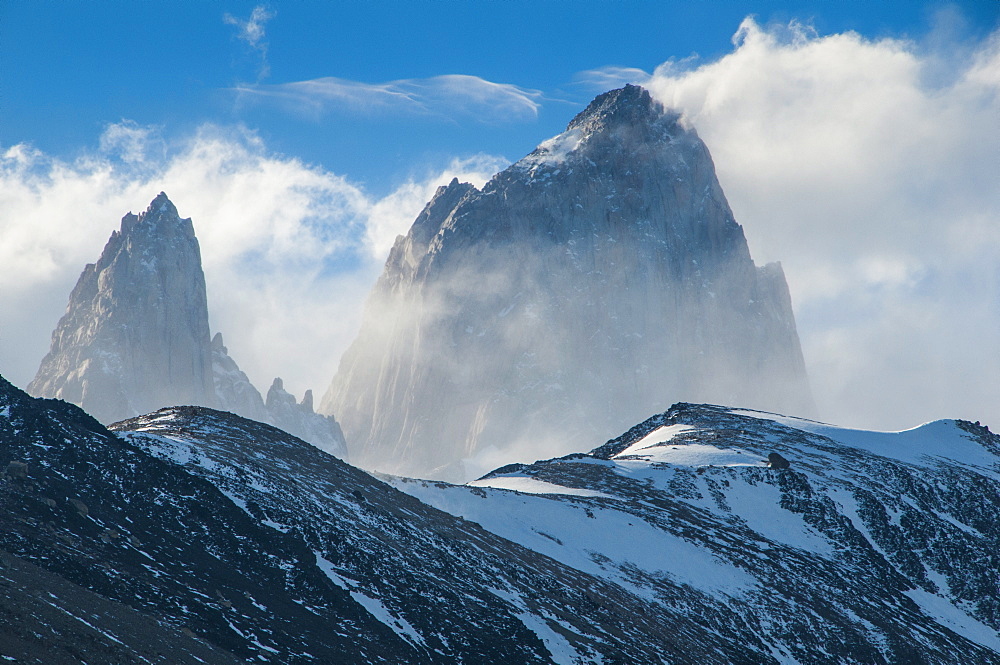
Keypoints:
pixel 530 485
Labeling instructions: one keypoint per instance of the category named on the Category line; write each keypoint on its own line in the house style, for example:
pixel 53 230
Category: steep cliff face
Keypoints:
pixel 233 388
pixel 135 337
pixel 135 334
pixel 594 281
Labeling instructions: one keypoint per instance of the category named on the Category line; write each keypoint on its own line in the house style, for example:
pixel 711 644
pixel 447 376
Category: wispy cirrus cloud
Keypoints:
pixel 447 96
pixel 611 76
pixel 252 32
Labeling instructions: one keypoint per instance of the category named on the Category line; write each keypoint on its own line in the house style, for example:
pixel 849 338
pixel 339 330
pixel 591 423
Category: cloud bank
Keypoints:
pixel 446 96
pixel 870 170
pixel 290 250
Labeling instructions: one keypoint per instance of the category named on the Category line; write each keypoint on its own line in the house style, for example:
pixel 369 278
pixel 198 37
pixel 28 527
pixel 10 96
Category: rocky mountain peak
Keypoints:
pixel 627 122
pixel 135 334
pixel 600 277
pixel 631 105
pixel 161 206
pixel 160 219
pixel 218 344
pixel 299 419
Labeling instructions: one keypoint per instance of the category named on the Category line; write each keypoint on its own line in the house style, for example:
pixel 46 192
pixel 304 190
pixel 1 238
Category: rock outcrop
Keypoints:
pixel 232 386
pixel 596 280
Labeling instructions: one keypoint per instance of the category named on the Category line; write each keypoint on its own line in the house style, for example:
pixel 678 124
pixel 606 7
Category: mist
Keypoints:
pixel 586 287
pixel 869 170
pixel 290 250
pixel 867 167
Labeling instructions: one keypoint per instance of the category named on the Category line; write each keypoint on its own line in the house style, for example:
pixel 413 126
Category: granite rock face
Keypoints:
pixel 135 337
pixel 135 334
pixel 233 388
pixel 299 419
pixel 596 280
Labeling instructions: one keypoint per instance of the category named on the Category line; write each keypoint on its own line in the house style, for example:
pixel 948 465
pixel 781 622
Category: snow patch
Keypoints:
pixel 659 435
pixel 921 445
pixel 530 485
pixel 760 507
pixel 561 651
pixel 563 529
pixel 373 606
pixel 945 613
pixel 690 454
pixel 556 149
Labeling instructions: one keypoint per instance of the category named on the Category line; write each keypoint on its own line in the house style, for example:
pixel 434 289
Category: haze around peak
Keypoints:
pixel 865 163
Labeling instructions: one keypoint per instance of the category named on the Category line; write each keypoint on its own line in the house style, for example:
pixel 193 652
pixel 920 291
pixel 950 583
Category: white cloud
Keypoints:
pixel 873 177
pixel 393 215
pixel 869 168
pixel 252 30
pixel 131 143
pixel 444 96
pixel 289 250
pixel 253 33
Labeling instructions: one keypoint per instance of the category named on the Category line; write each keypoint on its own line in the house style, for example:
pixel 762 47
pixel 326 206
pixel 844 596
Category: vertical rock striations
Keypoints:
pixel 589 284
pixel 135 334
pixel 135 337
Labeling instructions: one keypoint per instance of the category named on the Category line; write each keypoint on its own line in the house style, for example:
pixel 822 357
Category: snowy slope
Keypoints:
pixel 673 543
pixel 449 590
pixel 873 547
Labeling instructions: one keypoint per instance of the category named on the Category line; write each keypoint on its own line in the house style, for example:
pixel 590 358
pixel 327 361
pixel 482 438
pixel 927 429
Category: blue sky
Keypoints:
pixel 70 68
pixel 856 142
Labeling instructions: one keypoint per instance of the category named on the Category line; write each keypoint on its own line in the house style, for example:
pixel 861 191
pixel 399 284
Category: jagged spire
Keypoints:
pixel 631 104
pixel 135 335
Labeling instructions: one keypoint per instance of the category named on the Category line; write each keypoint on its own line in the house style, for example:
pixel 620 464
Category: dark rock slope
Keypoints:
pixel 109 518
pixel 868 548
pixel 261 545
pixel 201 534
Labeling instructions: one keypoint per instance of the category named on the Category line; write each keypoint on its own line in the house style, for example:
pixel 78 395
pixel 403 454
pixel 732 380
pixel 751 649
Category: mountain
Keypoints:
pixel 135 333
pixel 201 531
pixel 591 283
pixel 260 545
pixel 135 336
pixel 867 547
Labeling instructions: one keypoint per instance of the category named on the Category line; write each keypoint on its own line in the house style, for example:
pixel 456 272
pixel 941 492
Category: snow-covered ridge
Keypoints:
pixel 687 497
pixel 926 444
pixel 261 543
